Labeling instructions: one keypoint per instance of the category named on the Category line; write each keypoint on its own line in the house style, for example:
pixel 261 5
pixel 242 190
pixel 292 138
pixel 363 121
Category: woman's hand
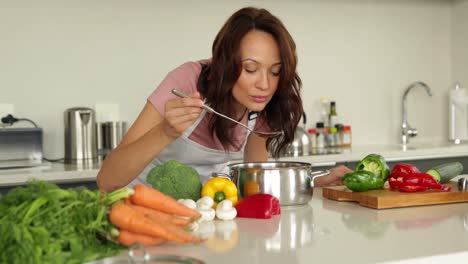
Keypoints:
pixel 181 113
pixel 334 178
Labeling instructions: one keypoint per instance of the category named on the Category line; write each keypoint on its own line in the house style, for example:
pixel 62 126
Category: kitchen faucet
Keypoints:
pixel 406 130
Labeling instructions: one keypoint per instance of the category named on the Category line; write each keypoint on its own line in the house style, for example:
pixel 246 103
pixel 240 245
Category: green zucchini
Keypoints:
pixel 445 172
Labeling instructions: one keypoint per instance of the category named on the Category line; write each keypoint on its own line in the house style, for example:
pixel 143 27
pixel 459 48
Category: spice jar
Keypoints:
pixel 346 140
pixel 313 140
pixel 320 137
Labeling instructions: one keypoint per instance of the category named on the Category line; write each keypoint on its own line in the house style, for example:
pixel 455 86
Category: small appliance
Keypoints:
pixel 21 147
pixel 80 136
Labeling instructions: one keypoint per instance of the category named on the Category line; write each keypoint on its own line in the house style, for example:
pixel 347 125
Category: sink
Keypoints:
pixel 428 145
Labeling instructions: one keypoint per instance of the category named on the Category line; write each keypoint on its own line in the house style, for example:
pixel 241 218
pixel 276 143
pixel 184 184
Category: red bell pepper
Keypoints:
pixel 413 188
pixel 429 181
pixel 259 205
pixel 424 179
pixel 394 181
pixel 408 178
pixel 404 168
pixel 399 172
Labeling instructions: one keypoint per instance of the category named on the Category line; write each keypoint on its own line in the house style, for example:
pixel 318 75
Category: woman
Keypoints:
pixel 251 77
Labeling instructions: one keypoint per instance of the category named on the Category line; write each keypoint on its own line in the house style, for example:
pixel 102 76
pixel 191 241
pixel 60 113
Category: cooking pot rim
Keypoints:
pixel 270 165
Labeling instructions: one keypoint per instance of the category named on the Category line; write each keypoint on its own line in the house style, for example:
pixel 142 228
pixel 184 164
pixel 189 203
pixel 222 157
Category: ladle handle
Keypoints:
pixel 182 95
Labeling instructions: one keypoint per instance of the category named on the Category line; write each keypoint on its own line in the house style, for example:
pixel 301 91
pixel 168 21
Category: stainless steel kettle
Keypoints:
pixel 302 143
pixel 80 135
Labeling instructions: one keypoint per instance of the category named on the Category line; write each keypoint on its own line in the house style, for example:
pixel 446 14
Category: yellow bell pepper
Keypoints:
pixel 220 188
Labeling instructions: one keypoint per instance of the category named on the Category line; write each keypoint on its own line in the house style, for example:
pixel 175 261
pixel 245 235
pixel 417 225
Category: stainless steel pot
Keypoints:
pixel 291 182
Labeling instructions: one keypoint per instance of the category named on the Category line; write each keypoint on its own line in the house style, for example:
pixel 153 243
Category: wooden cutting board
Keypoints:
pixel 387 198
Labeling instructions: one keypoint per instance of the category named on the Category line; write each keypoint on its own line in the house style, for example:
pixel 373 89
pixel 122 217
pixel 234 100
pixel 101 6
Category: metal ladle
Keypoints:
pixel 211 110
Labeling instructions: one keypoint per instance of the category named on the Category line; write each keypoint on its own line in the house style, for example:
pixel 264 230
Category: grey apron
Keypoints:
pixel 204 160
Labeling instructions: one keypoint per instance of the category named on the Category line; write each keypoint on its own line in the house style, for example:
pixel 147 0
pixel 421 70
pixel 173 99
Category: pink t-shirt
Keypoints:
pixel 184 78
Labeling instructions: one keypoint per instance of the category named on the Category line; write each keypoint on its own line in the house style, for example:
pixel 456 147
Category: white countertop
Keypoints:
pixel 327 231
pixel 53 172
pixel 323 231
pixel 67 173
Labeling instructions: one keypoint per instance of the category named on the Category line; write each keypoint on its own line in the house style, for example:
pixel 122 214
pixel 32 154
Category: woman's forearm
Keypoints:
pixel 126 162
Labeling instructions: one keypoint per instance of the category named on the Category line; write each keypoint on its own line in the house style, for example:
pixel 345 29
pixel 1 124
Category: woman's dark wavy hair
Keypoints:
pixel 217 78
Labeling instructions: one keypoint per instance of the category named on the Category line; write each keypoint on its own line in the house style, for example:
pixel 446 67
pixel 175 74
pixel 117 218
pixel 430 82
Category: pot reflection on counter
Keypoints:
pixel 296 229
pixel 291 230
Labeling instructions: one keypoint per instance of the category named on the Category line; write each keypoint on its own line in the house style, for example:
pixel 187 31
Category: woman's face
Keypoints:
pixel 261 66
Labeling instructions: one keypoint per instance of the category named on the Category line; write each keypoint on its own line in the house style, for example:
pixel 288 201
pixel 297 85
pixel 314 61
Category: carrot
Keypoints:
pixel 152 198
pixel 178 231
pixel 172 223
pixel 181 220
pixel 124 217
pixel 162 217
pixel 128 238
pixel 127 200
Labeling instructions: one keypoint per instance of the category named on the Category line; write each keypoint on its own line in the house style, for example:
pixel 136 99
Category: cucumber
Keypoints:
pixel 445 172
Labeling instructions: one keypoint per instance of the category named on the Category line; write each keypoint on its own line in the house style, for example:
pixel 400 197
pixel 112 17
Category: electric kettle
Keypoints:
pixel 302 143
pixel 80 135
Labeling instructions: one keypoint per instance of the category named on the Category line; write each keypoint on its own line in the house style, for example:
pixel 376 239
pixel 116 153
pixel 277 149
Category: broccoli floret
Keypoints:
pixel 176 179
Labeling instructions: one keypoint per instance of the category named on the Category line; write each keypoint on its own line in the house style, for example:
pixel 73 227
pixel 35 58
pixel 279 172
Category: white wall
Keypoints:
pixel 362 53
pixel 460 42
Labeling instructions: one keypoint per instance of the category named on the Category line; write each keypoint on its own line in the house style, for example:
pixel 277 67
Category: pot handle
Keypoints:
pixel 316 174
pixel 221 175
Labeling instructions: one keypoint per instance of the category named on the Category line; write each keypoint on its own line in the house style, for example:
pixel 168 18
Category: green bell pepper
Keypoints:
pixel 375 164
pixel 362 180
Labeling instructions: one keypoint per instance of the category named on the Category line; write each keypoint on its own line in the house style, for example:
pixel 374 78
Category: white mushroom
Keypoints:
pixel 205 202
pixel 207 214
pixel 225 210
